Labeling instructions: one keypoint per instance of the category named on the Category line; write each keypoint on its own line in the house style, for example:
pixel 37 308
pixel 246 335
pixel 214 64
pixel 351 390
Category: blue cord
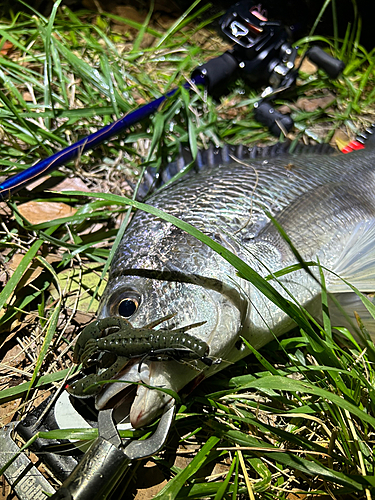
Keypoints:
pixel 18 181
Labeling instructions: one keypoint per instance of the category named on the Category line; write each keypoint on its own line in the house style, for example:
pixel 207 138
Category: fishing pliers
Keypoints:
pixel 99 471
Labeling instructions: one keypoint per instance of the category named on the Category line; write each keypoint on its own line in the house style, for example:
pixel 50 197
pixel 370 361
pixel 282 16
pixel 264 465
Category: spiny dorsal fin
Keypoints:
pixel 367 138
pixel 364 140
pixel 213 156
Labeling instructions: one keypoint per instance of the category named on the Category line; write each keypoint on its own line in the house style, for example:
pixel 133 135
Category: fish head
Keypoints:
pixel 143 298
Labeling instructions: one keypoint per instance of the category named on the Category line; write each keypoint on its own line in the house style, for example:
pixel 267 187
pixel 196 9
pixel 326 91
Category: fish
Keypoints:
pixel 324 201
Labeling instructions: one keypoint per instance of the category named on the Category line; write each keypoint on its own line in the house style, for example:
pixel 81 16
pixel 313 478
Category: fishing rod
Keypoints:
pixel 262 53
pixel 43 167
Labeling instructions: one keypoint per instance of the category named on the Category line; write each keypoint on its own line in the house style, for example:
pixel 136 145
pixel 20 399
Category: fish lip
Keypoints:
pixel 141 397
pixel 125 397
pixel 110 394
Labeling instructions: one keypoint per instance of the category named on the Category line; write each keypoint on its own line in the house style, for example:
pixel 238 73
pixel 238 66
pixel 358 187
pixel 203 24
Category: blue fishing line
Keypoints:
pixel 20 180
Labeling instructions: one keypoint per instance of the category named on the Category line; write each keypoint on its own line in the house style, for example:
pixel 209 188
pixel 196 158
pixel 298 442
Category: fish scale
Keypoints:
pixel 324 201
pixel 221 199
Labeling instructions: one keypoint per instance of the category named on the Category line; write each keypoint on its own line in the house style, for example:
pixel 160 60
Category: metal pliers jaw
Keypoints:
pixel 98 472
pixel 107 459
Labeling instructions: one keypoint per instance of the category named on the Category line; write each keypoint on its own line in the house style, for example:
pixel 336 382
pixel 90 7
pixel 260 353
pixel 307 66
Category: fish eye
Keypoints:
pixel 127 307
pixel 124 303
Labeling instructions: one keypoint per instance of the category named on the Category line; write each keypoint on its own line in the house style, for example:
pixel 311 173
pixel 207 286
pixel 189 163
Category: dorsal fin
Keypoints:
pixel 367 138
pixel 364 140
pixel 213 156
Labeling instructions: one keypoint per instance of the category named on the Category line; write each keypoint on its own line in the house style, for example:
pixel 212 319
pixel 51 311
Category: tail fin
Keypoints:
pixel 343 314
pixel 356 264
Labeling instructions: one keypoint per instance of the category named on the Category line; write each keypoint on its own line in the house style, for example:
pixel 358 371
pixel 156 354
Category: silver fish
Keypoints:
pixel 326 205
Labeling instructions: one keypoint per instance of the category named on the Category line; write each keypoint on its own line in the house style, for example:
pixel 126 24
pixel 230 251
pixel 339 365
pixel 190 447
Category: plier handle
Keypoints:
pixel 107 459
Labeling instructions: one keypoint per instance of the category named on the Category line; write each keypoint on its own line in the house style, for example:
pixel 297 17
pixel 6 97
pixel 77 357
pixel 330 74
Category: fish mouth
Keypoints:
pixel 139 388
pixel 123 392
pixel 151 377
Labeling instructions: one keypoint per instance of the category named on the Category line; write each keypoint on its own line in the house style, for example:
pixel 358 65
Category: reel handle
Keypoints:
pixel 276 122
pixel 217 73
pixel 332 66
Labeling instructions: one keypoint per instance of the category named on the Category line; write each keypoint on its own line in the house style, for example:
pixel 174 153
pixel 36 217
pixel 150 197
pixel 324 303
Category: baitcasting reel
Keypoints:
pixel 262 54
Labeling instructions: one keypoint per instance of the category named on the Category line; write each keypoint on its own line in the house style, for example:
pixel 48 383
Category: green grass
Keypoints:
pixel 297 416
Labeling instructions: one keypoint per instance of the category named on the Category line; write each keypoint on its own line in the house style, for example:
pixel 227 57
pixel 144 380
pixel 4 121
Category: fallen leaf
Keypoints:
pixel 13 358
pixel 4 209
pixel 133 14
pixel 79 286
pixel 33 271
pixel 30 274
pixel 129 12
pixel 150 480
pixel 16 325
pixel 82 318
pixel 7 412
pixel 168 6
pixel 37 212
pixel 340 139
pixel 164 20
pixel 37 182
pixel 27 97
pixel 313 104
pixel 284 109
pixel 307 66
pixel 140 101
pixel 7 47
pixel 72 184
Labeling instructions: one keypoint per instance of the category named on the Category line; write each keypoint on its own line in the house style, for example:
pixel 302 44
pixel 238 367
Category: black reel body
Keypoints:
pixel 262 54
pixel 262 48
pixel 262 51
